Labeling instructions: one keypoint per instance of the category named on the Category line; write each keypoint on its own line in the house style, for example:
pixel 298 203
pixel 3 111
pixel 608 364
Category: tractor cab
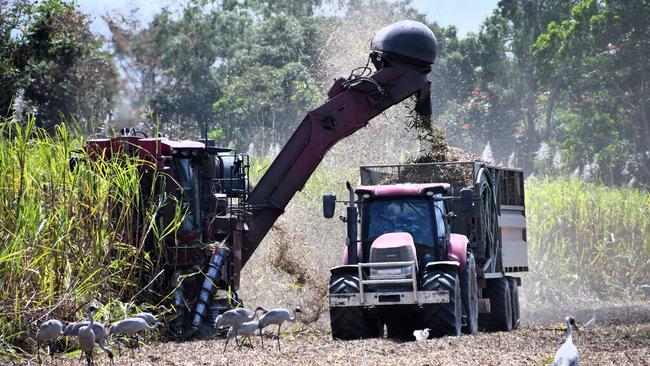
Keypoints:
pixel 417 211
pixel 403 228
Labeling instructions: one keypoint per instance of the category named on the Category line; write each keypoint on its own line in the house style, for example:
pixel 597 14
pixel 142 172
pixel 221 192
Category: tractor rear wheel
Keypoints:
pixel 500 316
pixel 469 296
pixel 514 296
pixel 349 322
pixel 442 319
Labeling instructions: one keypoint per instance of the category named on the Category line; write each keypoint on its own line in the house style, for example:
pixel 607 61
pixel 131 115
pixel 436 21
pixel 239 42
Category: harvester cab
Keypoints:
pixel 206 186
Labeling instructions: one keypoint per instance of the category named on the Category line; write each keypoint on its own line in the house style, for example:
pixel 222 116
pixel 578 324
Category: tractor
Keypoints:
pixel 434 246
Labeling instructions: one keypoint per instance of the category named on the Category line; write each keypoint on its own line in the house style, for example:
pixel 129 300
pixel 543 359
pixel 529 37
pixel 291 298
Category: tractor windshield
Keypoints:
pixel 414 216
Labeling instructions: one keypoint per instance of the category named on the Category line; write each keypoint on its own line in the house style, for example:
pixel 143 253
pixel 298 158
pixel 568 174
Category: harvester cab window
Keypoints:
pixel 409 215
pixel 186 179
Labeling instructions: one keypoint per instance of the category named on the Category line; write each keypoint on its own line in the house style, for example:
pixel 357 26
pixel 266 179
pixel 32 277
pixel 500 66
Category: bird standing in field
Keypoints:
pixel 149 317
pixel 274 316
pixel 131 327
pixel 246 330
pixel 72 330
pixel 567 354
pixel 87 337
pixel 48 333
pixel 421 335
pixel 233 318
pixel 591 321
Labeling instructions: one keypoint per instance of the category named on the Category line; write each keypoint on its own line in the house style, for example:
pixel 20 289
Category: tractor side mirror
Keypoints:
pixel 329 205
pixel 466 200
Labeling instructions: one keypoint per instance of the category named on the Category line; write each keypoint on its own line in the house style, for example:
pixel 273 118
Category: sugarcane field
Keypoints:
pixel 324 182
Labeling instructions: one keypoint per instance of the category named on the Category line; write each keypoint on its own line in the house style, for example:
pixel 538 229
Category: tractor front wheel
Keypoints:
pixel 443 319
pixel 349 322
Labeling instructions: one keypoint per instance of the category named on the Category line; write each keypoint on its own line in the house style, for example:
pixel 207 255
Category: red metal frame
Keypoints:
pixel 348 110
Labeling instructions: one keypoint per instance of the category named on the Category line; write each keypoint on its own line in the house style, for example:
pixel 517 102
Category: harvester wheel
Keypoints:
pixel 500 316
pixel 514 296
pixel 442 319
pixel 469 296
pixel 349 322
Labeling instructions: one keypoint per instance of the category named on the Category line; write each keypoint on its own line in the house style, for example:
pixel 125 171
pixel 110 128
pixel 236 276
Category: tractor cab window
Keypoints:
pixel 187 179
pixel 413 216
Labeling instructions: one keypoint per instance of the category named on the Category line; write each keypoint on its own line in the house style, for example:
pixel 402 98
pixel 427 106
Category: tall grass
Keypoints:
pixel 64 232
pixel 587 238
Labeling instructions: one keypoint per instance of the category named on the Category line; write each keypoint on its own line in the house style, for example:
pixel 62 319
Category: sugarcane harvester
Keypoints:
pixel 211 183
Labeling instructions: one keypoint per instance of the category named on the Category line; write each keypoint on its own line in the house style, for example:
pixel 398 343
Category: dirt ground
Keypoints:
pixel 621 337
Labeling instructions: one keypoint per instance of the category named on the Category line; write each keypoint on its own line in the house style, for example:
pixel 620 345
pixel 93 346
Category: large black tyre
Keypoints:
pixel 349 322
pixel 442 319
pixel 469 296
pixel 500 316
pixel 514 297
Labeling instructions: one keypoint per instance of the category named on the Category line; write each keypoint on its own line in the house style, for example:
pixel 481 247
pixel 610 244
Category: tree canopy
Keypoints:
pixel 554 87
pixel 52 65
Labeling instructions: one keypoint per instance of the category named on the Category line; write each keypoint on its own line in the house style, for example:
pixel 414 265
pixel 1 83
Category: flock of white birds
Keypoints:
pixel 91 334
pixel 240 323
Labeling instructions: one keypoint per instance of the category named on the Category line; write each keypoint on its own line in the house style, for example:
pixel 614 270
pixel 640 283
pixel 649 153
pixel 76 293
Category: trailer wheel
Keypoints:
pixel 469 296
pixel 514 296
pixel 443 319
pixel 500 316
pixel 349 322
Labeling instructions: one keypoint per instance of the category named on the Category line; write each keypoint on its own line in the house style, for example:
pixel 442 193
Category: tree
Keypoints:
pixel 272 85
pixel 51 60
pixel 600 53
pixel 500 99
pixel 237 68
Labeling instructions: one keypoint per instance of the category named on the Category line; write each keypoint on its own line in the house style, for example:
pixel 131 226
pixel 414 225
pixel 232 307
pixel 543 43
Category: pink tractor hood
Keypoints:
pixel 385 241
pixel 395 240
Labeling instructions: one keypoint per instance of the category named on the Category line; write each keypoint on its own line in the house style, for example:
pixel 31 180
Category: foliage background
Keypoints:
pixel 553 87
pixel 558 88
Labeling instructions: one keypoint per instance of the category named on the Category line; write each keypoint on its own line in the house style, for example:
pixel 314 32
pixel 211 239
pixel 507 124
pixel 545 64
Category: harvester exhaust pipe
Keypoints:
pixel 214 272
pixel 352 215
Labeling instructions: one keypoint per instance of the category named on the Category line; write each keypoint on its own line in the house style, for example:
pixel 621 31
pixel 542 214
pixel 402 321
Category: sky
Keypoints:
pixel 466 15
